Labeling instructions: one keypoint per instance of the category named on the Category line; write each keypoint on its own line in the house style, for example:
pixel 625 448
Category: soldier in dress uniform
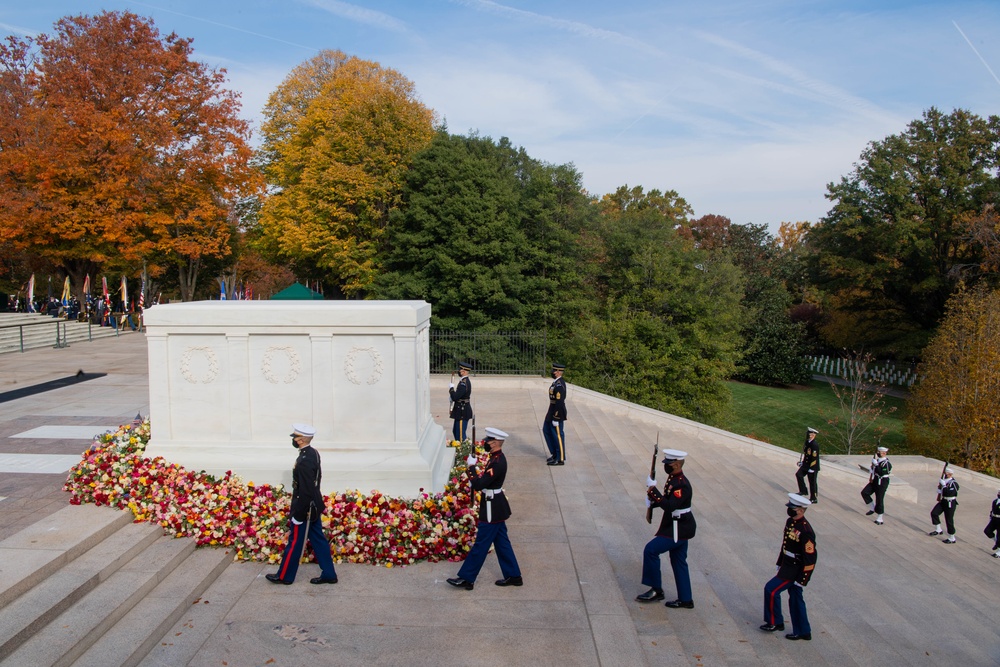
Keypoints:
pixel 306 514
pixel 947 502
pixel 494 510
pixel 992 529
pixel 796 563
pixel 676 527
pixel 809 466
pixel 878 483
pixel 461 405
pixel 553 429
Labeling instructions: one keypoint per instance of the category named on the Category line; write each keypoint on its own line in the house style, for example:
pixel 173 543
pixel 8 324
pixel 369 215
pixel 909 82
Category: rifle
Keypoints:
pixel 451 402
pixel 942 477
pixel 652 474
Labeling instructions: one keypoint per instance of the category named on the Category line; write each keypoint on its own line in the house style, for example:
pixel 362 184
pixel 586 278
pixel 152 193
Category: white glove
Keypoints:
pixel 798 584
pixel 451 385
pixel 649 503
pixel 471 460
pixel 650 481
pixel 297 523
pixel 555 423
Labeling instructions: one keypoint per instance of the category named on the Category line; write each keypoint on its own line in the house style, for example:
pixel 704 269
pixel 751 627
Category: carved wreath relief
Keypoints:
pixel 211 372
pixel 350 360
pixel 294 364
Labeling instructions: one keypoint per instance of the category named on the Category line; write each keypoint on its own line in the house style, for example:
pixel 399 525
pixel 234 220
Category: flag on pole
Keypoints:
pixel 124 295
pixel 248 293
pixel 142 296
pixel 66 292
pixel 106 294
pixel 31 294
pixel 222 289
pixel 86 285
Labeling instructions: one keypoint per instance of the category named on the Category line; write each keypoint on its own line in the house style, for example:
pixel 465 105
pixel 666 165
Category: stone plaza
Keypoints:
pixel 85 586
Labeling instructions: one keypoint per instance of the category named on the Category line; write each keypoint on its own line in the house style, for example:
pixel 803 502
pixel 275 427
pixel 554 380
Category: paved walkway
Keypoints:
pixel 886 595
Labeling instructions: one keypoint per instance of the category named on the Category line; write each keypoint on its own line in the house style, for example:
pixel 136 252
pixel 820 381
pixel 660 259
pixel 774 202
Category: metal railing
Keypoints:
pixel 490 353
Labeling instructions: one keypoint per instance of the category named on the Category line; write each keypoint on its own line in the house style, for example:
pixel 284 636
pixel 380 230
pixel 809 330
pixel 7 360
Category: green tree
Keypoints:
pixel 959 390
pixel 666 330
pixel 894 245
pixel 338 137
pixel 486 234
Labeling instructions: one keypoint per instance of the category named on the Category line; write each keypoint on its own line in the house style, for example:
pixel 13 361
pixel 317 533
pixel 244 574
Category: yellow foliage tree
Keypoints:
pixel 338 137
pixel 959 392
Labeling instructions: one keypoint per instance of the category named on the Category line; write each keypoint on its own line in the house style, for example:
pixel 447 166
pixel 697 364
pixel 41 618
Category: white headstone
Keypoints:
pixel 227 379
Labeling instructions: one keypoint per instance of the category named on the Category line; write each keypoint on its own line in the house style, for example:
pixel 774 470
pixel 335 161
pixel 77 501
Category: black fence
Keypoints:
pixel 498 353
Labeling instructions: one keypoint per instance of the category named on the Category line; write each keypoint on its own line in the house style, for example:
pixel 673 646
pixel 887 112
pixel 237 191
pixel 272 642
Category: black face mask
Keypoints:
pixel 295 445
pixel 791 511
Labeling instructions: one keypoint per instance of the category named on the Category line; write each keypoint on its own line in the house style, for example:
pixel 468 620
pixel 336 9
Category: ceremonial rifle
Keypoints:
pixel 652 475
pixel 451 401
pixel 942 477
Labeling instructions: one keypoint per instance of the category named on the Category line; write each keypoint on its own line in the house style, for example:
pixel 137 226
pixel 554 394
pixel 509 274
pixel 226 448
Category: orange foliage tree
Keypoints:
pixel 338 137
pixel 118 149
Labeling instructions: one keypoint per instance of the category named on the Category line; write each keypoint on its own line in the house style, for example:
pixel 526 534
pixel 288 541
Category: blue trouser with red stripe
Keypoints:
pixel 490 535
pixel 796 605
pixel 651 575
pixel 297 544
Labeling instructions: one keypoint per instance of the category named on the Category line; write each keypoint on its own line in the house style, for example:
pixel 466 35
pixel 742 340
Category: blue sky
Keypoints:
pixel 746 109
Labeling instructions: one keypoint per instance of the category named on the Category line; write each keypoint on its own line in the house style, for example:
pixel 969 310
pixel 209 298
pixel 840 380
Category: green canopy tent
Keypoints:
pixel 298 292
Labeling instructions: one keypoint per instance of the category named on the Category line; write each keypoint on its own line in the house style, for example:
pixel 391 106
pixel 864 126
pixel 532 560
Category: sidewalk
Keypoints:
pixel 886 595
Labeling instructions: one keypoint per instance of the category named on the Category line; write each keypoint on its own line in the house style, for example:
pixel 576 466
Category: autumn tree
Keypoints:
pixel 959 388
pixel 892 248
pixel 118 149
pixel 339 134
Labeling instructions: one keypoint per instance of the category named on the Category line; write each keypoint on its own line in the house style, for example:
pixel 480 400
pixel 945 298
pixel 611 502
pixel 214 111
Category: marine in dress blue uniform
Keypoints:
pixel 947 502
pixel 553 429
pixel 306 514
pixel 676 527
pixel 992 529
pixel 494 510
pixel 809 467
pixel 796 563
pixel 461 403
pixel 878 483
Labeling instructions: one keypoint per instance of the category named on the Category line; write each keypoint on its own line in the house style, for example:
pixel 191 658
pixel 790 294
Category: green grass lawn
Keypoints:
pixel 781 416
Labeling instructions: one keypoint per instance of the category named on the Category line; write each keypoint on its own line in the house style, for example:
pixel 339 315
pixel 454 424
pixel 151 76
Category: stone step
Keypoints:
pixel 38 551
pixel 131 638
pixel 33 610
pixel 181 642
pixel 72 633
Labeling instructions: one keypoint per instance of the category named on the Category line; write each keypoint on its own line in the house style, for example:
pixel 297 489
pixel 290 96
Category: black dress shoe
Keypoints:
pixel 767 627
pixel 275 579
pixel 550 459
pixel 323 580
pixel 510 581
pixel 458 582
pixel 679 604
pixel 652 595
pixel 869 512
pixel 814 501
pixel 555 463
pixel 797 637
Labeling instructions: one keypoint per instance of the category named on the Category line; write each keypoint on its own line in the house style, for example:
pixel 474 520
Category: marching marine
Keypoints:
pixel 676 527
pixel 947 502
pixel 461 406
pixel 878 483
pixel 796 563
pixel 494 510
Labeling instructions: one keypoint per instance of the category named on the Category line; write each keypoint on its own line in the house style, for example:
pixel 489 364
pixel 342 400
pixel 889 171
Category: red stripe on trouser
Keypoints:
pixel 774 594
pixel 291 547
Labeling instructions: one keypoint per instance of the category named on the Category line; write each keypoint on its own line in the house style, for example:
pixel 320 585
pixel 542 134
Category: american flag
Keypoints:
pixel 142 295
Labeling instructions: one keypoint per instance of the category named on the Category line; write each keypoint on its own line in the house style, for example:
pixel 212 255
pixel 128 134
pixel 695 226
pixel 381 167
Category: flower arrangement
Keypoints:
pixel 252 519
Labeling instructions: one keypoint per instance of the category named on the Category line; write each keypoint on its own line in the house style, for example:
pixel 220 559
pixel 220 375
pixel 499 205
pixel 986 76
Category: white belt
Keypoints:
pixel 677 513
pixel 489 493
